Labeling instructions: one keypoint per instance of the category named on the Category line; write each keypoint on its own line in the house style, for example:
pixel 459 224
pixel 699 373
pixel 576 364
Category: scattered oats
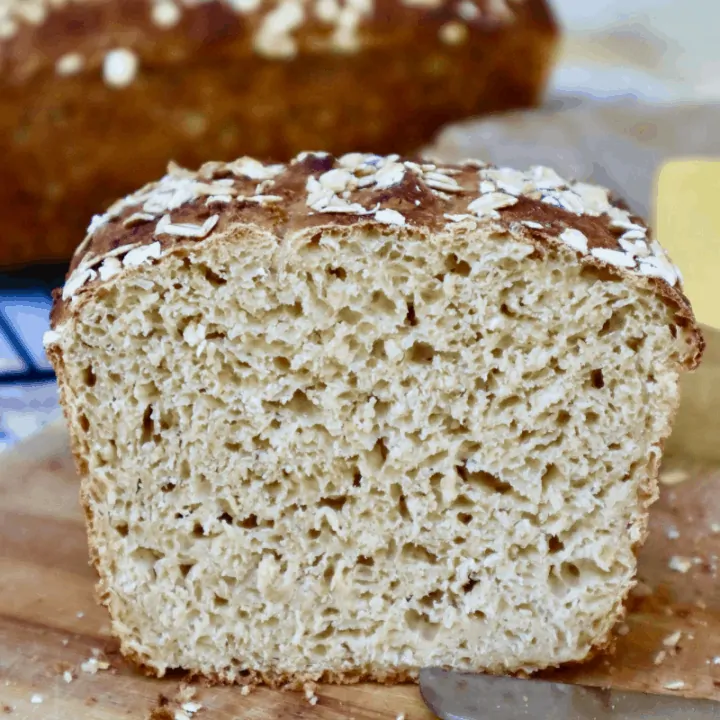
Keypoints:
pixel 166 227
pixel 639 248
pixel 673 477
pixel 513 182
pixel 674 685
pixel 659 659
pixel 92 665
pixel 137 218
pixel 274 38
pixel 680 564
pixel 673 533
pixel 532 224
pixel 51 337
pixel 336 180
pixel 624 629
pixel 69 64
pixel 218 199
pixel 545 178
pixel 73 284
pixel 453 33
pixel 487 186
pixel 659 267
pixel 640 234
pixel 594 199
pixel 165 14
pixel 263 199
pixel 389 174
pixel 36 699
pixel 191 707
pixel 143 254
pixel 390 217
pixel 459 218
pixel 671 641
pixel 439 181
pixel 613 257
pixel 120 67
pixel 492 202
pixel 68 676
pixel 467 10
pixel 575 239
pixel 565 199
pixel 253 169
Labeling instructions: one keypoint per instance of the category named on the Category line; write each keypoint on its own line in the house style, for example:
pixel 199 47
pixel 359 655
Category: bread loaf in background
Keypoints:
pixel 348 417
pixel 96 96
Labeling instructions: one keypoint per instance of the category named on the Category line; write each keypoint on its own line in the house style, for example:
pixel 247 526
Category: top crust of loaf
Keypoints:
pixel 319 191
pixel 120 35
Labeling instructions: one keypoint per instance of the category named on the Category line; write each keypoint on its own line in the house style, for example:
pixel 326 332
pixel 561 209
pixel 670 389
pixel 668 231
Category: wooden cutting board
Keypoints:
pixel 50 624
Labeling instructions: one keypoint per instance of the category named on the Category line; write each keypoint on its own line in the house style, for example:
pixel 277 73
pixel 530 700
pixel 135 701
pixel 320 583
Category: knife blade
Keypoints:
pixel 462 696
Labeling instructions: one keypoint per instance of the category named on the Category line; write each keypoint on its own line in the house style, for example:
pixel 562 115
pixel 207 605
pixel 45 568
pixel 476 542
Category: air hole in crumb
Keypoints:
pixel 465 518
pixel 89 377
pixel 403 508
pixel 382 303
pixel 563 417
pixel 432 598
pixel 226 518
pixel 597 378
pixel 410 318
pixel 300 403
pixel 281 363
pixel 418 553
pixel 220 601
pixel 469 585
pixel 249 523
pixel 421 353
pixel 122 529
pixel 596 274
pixel 351 317
pixel 478 615
pixel 314 534
pixel 338 272
pixel 378 350
pixel 505 310
pixel 635 343
pixel 673 330
pixel 483 480
pixel 198 530
pixel 457 266
pixel 233 446
pixel 167 487
pixel 84 422
pixel 148 426
pixel 365 560
pixel 185 569
pixel 336 503
pixel 357 478
pixel 555 544
pixel 213 278
pixel 591 417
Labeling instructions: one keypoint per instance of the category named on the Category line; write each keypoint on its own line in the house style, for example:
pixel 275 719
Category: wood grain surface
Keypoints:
pixel 50 624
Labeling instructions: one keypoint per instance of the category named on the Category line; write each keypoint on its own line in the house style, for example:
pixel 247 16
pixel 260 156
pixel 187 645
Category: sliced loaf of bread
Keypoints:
pixel 348 417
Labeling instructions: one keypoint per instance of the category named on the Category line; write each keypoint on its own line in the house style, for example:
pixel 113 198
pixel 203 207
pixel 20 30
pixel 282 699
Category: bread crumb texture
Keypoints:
pixel 317 445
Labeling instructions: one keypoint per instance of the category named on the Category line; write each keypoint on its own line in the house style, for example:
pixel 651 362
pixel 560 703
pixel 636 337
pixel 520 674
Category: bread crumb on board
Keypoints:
pixel 36 699
pixel 674 685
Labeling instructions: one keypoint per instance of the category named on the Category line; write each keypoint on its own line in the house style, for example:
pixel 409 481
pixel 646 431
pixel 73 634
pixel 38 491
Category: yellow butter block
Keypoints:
pixel 687 225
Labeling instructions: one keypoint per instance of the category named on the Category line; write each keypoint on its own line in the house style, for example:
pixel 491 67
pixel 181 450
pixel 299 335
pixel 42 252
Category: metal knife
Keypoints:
pixel 460 696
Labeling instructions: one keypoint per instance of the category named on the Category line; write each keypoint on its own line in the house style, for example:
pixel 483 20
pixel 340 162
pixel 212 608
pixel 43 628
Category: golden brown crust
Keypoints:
pixel 319 191
pixel 72 141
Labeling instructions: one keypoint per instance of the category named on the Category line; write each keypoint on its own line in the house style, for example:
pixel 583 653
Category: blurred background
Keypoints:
pixel 636 82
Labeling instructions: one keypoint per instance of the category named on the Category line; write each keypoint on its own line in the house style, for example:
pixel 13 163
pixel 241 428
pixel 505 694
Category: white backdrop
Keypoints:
pixel 657 49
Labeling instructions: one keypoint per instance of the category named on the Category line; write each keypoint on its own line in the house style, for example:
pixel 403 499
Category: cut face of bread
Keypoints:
pixel 359 450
